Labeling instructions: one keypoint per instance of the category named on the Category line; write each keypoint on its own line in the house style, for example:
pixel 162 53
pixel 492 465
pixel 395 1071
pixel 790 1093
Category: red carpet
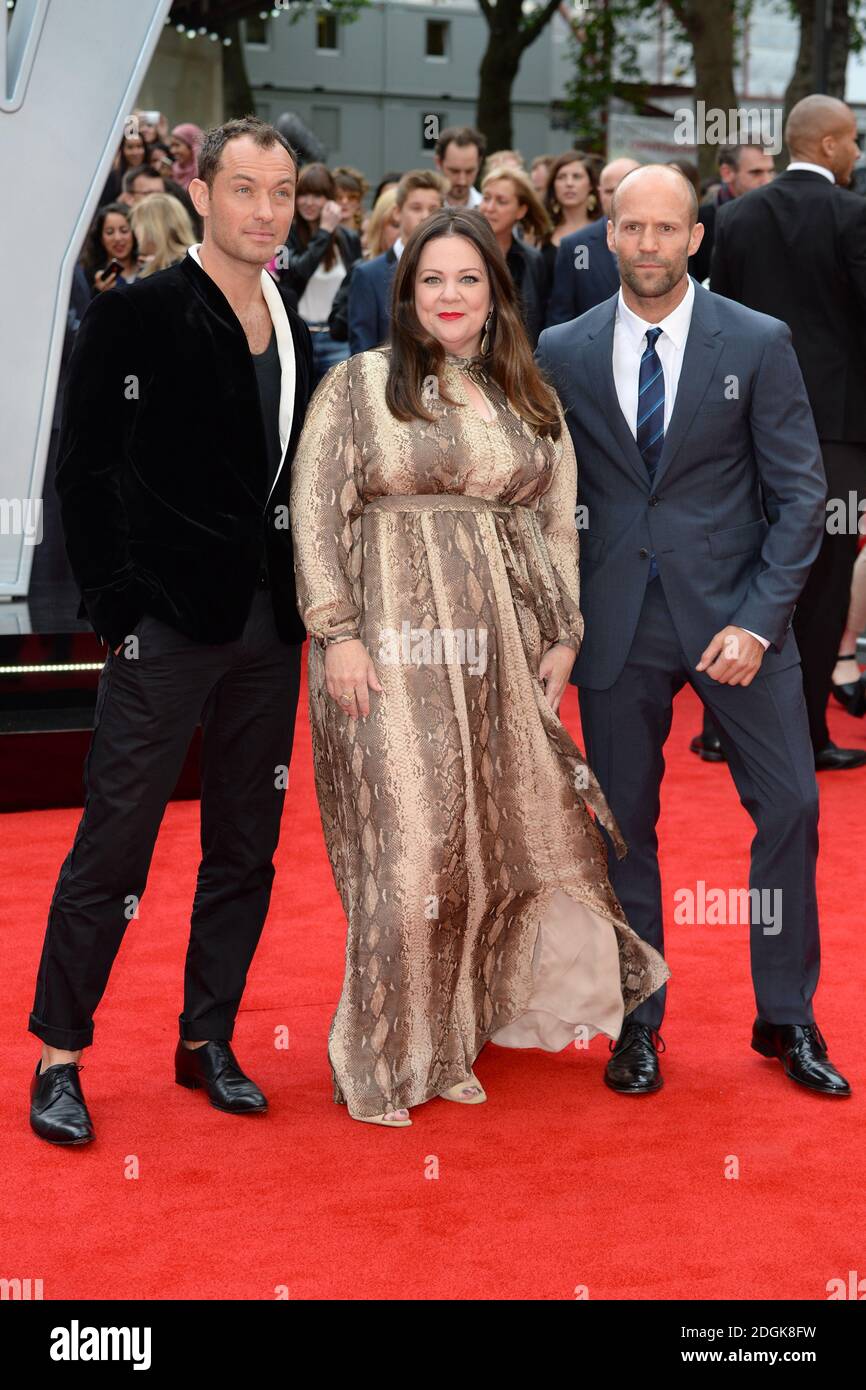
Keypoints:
pixel 553 1186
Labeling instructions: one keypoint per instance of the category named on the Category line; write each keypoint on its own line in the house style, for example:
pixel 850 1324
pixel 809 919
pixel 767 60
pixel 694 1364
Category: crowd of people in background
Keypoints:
pixel 146 215
pixel 347 237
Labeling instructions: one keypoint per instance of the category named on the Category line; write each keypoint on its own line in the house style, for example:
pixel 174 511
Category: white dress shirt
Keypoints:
pixel 813 168
pixel 629 346
pixel 397 248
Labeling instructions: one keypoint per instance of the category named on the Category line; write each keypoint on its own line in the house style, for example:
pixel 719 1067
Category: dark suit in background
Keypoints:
pixel 529 274
pixel 699 263
pixel 796 249
pixel 369 304
pixel 581 282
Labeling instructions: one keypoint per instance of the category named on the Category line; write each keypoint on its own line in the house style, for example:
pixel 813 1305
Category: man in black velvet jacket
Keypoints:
pixel 186 396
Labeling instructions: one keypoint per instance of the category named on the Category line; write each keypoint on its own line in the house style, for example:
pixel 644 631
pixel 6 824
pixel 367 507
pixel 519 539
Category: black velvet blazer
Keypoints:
pixel 162 465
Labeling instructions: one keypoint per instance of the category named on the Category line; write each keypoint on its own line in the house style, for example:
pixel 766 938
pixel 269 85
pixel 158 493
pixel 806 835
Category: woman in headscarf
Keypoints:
pixel 185 143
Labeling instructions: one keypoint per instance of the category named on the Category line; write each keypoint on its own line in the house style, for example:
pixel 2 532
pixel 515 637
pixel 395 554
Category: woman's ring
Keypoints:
pixel 347 697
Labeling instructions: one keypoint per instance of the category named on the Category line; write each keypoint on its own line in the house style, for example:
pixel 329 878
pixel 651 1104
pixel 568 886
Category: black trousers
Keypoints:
pixel 819 618
pixel 151 696
pixel 764 732
pixel 822 608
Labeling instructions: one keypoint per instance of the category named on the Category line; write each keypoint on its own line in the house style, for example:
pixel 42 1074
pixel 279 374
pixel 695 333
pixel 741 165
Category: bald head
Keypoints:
pixel 611 175
pixel 823 130
pixel 652 230
pixel 662 184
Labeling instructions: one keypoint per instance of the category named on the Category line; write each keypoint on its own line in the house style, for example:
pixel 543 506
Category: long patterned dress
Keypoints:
pixel 457 814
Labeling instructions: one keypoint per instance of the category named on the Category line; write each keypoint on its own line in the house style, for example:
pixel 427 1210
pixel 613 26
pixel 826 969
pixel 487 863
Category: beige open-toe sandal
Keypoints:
pixel 384 1120
pixel 468 1092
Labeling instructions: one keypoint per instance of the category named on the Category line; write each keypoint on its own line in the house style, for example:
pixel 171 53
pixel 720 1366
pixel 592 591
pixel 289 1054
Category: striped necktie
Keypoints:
pixel 651 414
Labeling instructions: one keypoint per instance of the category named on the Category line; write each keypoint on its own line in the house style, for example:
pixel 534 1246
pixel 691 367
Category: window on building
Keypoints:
pixel 325 121
pixel 437 38
pixel 326 33
pixel 256 31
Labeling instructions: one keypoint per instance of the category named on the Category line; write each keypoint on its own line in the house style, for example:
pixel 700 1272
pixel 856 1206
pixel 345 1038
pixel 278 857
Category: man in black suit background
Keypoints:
pixel 185 398
pixel 797 250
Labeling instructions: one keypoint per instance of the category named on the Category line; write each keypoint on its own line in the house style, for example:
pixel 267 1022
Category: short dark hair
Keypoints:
pixel 461 135
pixel 732 154
pixel 141 171
pixel 215 140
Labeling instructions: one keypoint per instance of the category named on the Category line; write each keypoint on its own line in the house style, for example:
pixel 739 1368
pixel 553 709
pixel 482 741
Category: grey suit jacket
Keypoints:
pixel 736 513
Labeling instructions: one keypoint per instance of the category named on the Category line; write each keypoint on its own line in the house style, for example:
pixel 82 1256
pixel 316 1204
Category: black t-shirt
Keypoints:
pixel 269 377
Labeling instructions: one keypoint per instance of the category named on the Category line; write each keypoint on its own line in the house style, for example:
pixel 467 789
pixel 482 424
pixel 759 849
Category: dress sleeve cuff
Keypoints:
pixel 326 639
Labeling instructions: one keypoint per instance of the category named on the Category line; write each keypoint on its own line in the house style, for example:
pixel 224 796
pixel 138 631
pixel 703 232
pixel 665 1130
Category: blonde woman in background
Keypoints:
pixel 383 225
pixel 513 158
pixel 163 230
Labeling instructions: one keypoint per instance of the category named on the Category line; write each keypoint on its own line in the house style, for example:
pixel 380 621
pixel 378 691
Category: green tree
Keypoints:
pixel 509 33
pixel 846 34
pixel 607 35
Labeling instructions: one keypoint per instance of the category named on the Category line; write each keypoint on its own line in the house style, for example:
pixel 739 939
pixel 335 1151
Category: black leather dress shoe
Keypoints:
pixel 802 1051
pixel 851 694
pixel 709 748
pixel 633 1070
pixel 833 759
pixel 215 1068
pixel 58 1111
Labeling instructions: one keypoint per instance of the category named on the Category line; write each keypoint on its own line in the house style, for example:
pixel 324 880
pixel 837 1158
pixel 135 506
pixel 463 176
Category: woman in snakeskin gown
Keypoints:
pixel 436 563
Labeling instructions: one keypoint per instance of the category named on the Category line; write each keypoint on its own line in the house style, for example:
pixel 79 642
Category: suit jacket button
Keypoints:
pixel 654 501
pixel 644 554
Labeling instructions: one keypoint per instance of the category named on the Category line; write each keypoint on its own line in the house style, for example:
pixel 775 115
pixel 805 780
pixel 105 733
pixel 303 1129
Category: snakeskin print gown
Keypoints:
pixel 457 815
